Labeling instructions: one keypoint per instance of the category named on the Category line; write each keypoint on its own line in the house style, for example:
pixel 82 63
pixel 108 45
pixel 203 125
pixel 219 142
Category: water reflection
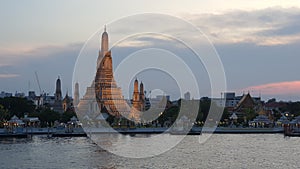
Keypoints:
pixel 220 151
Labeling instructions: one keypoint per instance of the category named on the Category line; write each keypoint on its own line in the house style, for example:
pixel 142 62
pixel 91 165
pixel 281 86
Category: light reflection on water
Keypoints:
pixel 221 151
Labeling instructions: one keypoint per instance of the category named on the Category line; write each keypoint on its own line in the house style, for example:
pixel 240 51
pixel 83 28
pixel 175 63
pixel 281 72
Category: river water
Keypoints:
pixel 220 151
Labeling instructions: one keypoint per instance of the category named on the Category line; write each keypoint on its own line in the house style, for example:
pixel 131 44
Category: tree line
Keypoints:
pixel 10 106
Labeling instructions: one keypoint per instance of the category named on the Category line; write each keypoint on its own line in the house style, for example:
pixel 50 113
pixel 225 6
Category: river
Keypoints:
pixel 219 151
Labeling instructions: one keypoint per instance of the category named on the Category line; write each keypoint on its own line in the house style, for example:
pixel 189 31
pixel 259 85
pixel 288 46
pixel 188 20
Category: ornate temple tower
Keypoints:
pixel 57 106
pixel 108 94
pixel 142 97
pixel 58 95
pixel 135 96
pixel 138 96
pixel 67 102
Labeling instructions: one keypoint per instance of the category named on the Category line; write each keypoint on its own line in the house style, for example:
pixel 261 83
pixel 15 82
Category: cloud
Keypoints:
pixel 277 88
pixel 134 43
pixel 144 40
pixel 49 61
pixel 2 76
pixel 11 56
pixel 265 27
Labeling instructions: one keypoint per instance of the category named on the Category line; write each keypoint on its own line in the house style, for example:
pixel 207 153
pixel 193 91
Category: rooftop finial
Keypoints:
pixel 104 28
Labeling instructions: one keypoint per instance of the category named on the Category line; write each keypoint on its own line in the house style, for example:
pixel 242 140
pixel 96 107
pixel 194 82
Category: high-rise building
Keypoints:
pixel 187 96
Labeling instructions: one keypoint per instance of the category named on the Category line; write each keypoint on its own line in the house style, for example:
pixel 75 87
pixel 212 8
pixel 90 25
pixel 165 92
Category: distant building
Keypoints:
pixel 138 97
pixel 37 100
pixel 87 107
pixel 48 100
pixel 22 95
pixel 67 103
pixel 240 106
pixel 58 104
pixel 229 100
pixel 246 104
pixel 5 94
pixel 31 95
pixel 187 96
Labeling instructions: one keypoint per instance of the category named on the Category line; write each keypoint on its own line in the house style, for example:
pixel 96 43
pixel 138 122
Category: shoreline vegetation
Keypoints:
pixel 50 122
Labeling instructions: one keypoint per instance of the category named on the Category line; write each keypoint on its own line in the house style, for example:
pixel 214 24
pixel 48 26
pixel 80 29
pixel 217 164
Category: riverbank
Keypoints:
pixel 79 132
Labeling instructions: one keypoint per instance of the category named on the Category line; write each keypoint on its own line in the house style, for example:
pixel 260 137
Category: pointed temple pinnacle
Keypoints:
pixel 104 28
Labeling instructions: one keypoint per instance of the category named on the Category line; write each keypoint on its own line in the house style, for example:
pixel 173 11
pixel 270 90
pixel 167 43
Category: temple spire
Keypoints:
pixel 104 47
pixel 58 95
pixel 104 42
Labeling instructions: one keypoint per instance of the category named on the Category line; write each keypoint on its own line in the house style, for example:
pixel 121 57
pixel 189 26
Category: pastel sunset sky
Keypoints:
pixel 258 41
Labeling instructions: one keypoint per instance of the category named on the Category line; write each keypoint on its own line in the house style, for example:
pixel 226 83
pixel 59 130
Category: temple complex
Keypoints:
pixel 107 95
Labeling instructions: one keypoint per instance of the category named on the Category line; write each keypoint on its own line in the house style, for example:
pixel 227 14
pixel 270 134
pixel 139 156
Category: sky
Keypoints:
pixel 257 41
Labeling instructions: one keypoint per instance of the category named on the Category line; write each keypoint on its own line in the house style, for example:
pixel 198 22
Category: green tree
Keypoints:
pixel 294 108
pixel 66 116
pixel 277 114
pixel 17 106
pixel 4 115
pixel 225 115
pixel 169 114
pixel 204 109
pixel 48 116
pixel 250 114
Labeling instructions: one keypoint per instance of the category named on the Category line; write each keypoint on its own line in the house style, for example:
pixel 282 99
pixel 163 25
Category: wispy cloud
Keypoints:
pixel 268 27
pixel 144 40
pixel 277 88
pixel 262 27
pixel 2 76
pixel 17 55
pixel 134 43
